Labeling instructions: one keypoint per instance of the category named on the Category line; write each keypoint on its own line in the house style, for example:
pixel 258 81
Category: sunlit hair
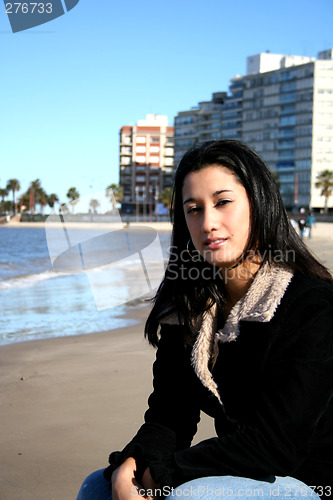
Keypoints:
pixel 271 232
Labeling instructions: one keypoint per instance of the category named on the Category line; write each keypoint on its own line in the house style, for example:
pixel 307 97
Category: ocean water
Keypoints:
pixel 57 283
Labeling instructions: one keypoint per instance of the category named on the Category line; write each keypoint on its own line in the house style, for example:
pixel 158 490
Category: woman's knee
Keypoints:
pixel 95 487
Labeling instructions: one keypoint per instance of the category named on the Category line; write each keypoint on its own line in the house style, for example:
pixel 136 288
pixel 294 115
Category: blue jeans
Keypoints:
pixel 95 487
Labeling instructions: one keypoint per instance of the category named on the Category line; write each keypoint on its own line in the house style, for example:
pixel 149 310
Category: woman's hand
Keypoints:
pixel 149 484
pixel 126 487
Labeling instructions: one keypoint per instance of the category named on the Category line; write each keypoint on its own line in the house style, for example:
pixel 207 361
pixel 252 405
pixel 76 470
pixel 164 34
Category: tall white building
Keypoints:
pixel 283 108
pixel 286 111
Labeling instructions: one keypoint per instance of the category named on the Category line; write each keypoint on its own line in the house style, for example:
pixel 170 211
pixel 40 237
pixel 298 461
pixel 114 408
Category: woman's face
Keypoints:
pixel 217 213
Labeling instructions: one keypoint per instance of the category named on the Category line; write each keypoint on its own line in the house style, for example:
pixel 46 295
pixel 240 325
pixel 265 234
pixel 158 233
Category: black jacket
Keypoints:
pixel 273 396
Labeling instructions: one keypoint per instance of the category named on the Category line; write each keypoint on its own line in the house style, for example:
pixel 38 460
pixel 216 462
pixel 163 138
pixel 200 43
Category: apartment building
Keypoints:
pixel 146 162
pixel 199 124
pixel 287 117
pixel 283 108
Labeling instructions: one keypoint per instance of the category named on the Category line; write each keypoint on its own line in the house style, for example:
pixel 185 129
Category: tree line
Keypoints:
pixel 36 195
pixel 33 196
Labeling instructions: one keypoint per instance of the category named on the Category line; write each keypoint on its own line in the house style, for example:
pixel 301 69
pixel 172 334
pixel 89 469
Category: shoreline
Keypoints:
pixel 129 317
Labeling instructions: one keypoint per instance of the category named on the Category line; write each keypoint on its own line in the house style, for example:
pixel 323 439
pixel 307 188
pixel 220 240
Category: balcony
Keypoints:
pixel 288 98
pixel 286 144
pixel 286 132
pixel 231 125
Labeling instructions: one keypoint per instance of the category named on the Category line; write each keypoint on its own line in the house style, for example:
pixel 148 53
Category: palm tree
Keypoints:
pixel 325 182
pixel 115 193
pixel 94 204
pixel 41 199
pixel 52 199
pixel 73 195
pixel 13 185
pixel 3 194
pixel 35 193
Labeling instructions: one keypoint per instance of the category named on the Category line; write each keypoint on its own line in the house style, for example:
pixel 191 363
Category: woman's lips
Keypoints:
pixel 216 243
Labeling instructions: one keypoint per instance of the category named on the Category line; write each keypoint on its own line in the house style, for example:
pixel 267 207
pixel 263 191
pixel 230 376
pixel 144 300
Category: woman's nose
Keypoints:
pixel 209 220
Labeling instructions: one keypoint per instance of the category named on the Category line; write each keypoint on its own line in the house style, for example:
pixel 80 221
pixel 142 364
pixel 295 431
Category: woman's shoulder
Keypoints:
pixel 308 293
pixel 304 319
pixel 306 284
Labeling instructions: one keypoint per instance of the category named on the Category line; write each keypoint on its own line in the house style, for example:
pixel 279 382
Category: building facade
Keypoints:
pixel 287 117
pixel 146 163
pixel 199 124
pixel 283 109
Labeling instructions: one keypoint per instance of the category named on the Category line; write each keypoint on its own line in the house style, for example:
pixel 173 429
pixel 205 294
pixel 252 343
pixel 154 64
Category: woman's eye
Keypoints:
pixel 192 210
pixel 224 201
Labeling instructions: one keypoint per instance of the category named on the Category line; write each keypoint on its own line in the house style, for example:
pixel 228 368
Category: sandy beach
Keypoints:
pixel 67 402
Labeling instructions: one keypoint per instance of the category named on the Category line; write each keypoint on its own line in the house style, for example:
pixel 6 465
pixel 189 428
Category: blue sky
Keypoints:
pixel 69 85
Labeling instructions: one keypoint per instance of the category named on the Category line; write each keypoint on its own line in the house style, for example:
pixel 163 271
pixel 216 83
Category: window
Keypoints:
pixel 288 97
pixel 154 180
pixel 184 120
pixel 286 154
pixel 286 177
pixel 184 144
pixel 287 120
pixel 126 139
pixel 288 86
pixel 154 159
pixel 155 140
pixel 141 140
pixel 125 160
pixel 288 109
pixel 287 143
pixel 288 75
pixel 287 132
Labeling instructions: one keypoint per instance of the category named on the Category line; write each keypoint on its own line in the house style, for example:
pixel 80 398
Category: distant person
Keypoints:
pixel 310 220
pixel 302 226
pixel 243 324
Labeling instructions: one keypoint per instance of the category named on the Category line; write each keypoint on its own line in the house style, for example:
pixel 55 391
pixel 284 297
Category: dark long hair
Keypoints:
pixel 191 286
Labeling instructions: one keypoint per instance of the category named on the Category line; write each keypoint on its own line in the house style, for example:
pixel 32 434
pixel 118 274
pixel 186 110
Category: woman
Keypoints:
pixel 243 324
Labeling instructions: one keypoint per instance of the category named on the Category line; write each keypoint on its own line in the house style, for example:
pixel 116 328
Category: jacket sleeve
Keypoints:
pixel 297 391
pixel 173 410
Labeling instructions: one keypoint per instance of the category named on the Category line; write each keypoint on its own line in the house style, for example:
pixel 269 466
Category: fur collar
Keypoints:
pixel 258 304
